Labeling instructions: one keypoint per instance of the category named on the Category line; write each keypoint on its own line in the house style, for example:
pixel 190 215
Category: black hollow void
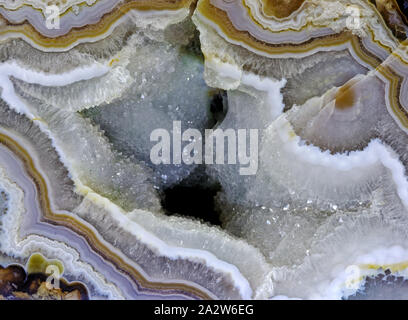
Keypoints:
pixel 219 107
pixel 192 198
pixel 403 5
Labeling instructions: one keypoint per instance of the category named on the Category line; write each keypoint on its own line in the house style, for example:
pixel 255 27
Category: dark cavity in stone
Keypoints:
pixel 193 198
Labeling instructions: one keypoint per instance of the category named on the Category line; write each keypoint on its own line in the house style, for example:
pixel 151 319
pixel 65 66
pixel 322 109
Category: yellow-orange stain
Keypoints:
pixel 280 8
pixel 345 96
pixel 113 61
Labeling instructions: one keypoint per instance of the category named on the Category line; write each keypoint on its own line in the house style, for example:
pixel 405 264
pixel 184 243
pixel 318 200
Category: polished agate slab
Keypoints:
pixel 320 88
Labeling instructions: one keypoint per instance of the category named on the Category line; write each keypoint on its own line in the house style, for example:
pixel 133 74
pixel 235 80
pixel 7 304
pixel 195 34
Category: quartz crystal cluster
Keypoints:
pixel 85 83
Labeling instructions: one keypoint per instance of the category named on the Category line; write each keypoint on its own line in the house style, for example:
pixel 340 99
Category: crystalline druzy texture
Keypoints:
pixel 85 83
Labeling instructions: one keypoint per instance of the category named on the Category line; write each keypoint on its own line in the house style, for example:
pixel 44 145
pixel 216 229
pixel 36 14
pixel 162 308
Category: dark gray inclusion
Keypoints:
pixel 385 286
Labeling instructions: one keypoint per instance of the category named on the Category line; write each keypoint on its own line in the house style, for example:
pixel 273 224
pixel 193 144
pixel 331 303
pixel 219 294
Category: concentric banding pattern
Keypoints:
pixel 326 90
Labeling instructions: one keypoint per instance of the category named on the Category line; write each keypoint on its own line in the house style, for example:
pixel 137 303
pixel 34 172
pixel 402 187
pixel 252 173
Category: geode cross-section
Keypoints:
pixel 210 149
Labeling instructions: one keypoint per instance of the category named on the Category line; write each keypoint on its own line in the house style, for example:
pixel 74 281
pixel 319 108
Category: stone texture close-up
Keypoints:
pixel 203 149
